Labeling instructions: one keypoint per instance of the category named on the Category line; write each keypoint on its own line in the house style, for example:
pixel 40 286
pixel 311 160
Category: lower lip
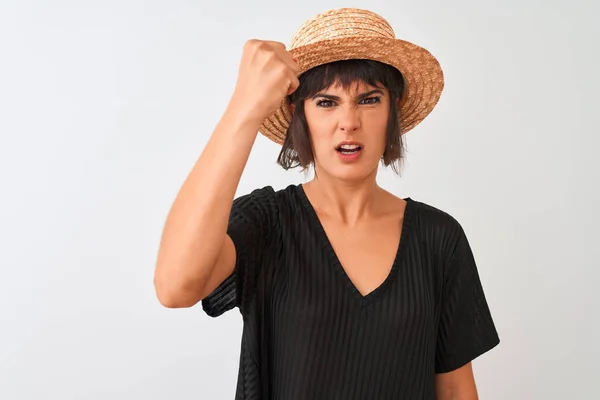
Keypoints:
pixel 349 157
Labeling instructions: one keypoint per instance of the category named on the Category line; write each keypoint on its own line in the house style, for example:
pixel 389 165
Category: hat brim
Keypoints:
pixel 422 73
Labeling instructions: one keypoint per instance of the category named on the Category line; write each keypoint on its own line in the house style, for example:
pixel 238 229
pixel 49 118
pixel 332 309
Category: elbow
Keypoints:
pixel 170 294
pixel 169 300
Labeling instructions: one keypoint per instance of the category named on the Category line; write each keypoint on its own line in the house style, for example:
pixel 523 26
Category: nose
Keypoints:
pixel 349 119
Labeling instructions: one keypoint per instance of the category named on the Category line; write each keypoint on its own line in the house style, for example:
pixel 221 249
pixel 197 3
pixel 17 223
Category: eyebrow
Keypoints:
pixel 358 97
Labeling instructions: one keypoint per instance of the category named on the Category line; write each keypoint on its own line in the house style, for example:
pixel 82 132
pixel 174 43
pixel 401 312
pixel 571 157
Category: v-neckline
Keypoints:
pixel 363 299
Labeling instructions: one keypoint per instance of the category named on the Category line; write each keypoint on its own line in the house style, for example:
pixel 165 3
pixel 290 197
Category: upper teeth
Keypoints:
pixel 349 146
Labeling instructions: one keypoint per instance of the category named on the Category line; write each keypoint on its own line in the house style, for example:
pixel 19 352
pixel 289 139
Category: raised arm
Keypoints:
pixel 195 253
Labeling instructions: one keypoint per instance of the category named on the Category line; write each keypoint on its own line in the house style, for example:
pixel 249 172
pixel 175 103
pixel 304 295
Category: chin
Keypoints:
pixel 351 172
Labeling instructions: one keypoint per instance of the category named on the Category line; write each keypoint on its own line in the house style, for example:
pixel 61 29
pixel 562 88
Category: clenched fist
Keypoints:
pixel 267 73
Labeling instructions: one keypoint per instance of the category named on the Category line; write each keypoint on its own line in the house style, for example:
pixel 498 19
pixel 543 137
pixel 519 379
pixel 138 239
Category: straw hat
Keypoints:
pixel 352 33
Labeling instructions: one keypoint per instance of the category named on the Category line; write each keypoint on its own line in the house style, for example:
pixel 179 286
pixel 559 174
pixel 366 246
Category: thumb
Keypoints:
pixel 295 82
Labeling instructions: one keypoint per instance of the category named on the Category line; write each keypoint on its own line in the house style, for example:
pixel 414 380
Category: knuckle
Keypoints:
pixel 255 45
pixel 282 68
pixel 262 45
pixel 272 59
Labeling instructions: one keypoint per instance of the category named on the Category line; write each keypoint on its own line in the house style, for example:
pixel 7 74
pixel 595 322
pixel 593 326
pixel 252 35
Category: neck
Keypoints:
pixel 348 201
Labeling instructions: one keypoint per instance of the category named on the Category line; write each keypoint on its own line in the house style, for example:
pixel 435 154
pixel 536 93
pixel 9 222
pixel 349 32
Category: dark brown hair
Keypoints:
pixel 297 150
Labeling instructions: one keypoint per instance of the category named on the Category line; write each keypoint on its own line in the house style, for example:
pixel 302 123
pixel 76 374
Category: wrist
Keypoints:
pixel 244 116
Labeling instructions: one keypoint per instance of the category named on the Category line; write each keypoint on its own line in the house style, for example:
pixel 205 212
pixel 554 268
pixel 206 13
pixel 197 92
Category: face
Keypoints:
pixel 347 130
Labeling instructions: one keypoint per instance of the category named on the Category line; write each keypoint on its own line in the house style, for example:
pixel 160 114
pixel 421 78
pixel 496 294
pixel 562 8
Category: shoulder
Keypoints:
pixel 436 224
pixel 268 194
pixel 434 215
pixel 269 191
pixel 267 200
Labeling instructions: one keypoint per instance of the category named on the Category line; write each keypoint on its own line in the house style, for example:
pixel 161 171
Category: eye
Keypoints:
pixel 329 103
pixel 324 103
pixel 372 100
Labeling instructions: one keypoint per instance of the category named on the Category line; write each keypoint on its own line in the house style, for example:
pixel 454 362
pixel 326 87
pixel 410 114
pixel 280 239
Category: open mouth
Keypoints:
pixel 348 148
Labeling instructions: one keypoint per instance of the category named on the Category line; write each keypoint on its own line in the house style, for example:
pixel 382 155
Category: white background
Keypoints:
pixel 106 105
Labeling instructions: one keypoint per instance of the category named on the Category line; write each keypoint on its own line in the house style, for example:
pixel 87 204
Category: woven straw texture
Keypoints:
pixel 352 33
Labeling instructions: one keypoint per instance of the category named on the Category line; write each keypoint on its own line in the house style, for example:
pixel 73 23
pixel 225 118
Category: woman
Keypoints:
pixel 346 291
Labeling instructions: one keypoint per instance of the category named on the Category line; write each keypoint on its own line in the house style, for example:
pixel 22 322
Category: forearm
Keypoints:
pixel 197 222
pixel 456 395
pixel 456 385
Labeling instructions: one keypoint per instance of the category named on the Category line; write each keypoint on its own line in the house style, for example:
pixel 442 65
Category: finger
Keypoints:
pixel 285 55
pixel 294 84
pixel 275 45
pixel 289 60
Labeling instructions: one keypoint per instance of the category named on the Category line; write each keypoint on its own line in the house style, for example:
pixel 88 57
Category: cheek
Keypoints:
pixel 319 142
pixel 320 132
pixel 378 127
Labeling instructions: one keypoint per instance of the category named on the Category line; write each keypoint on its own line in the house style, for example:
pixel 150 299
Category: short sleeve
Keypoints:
pixel 251 226
pixel 466 329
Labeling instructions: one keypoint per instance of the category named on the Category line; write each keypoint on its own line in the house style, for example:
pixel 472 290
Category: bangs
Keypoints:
pixel 346 73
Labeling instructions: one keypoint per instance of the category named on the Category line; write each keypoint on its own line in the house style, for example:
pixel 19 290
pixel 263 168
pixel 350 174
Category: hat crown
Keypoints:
pixel 342 23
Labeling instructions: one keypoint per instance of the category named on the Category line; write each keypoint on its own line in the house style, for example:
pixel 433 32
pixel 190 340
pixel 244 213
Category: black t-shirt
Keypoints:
pixel 308 333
